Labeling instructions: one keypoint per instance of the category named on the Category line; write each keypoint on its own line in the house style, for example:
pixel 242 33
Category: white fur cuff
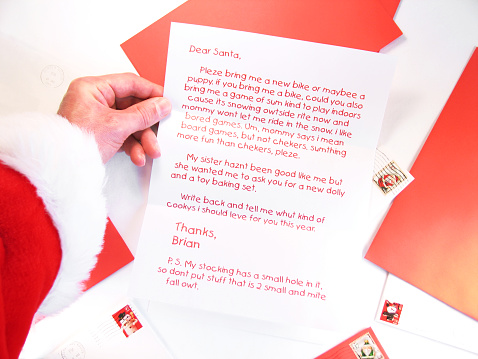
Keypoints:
pixel 65 166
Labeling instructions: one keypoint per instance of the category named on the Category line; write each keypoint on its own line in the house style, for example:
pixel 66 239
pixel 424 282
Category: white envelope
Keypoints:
pixel 425 315
pixel 120 332
pixel 31 80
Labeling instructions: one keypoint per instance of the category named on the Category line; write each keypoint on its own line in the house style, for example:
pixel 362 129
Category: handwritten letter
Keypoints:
pixel 264 178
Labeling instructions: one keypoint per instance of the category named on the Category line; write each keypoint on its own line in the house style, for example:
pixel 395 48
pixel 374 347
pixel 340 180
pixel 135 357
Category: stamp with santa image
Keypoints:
pixel 127 321
pixel 364 347
pixel 389 177
pixel 391 312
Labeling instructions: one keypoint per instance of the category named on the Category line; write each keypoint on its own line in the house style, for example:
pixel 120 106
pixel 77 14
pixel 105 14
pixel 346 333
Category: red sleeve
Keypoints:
pixel 30 256
pixel 52 219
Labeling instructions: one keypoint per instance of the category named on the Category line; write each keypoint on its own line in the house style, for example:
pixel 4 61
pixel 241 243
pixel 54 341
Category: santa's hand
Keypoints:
pixel 119 110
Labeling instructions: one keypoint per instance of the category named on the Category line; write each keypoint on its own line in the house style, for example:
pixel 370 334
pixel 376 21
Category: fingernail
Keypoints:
pixel 157 149
pixel 163 106
pixel 142 159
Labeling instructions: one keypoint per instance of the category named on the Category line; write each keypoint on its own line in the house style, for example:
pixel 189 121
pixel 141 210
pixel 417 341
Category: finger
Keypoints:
pixel 129 84
pixel 123 103
pixel 149 142
pixel 134 150
pixel 143 115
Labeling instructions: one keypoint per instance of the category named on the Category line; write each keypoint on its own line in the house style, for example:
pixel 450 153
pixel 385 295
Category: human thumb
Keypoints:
pixel 144 114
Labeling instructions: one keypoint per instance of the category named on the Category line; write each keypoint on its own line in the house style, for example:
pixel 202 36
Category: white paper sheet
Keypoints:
pixel 256 203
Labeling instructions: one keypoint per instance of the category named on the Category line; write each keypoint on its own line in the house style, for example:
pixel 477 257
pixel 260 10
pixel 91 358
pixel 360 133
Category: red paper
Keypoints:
pixel 390 6
pixel 115 255
pixel 354 347
pixel 429 238
pixel 364 24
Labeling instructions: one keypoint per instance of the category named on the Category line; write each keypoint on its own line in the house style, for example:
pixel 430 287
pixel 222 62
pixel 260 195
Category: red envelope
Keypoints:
pixel 362 345
pixel 429 237
pixel 390 6
pixel 364 24
pixel 115 255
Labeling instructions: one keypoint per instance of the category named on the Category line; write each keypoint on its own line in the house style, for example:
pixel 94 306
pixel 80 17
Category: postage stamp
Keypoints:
pixel 389 177
pixel 127 321
pixel 364 347
pixel 391 312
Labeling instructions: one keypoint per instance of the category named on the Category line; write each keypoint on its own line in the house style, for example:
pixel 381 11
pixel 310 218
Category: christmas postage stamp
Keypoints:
pixel 391 312
pixel 364 347
pixel 127 321
pixel 389 177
